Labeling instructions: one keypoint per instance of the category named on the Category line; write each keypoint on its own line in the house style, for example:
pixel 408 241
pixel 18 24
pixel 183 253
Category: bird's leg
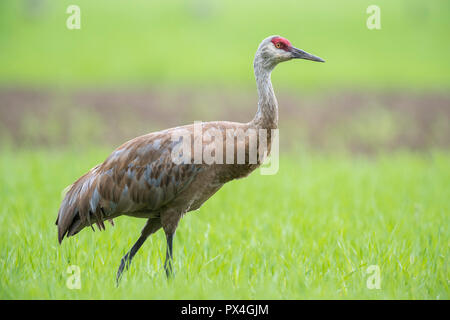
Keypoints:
pixel 151 226
pixel 169 221
pixel 126 260
pixel 168 264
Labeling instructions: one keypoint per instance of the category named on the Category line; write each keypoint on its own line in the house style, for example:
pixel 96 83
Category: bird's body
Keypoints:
pixel 140 179
pixel 143 179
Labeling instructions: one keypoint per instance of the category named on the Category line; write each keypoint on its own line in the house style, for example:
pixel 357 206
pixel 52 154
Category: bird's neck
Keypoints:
pixel 267 115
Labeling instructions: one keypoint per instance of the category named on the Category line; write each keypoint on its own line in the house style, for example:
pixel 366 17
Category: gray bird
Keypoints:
pixel 145 178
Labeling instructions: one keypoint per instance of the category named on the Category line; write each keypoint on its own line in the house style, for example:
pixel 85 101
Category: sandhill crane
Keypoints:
pixel 142 179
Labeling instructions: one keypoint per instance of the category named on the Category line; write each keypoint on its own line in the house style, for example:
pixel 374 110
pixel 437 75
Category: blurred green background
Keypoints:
pixel 364 140
pixel 139 66
pixel 212 42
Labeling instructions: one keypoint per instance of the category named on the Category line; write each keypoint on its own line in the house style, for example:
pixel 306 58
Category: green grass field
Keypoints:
pixel 310 231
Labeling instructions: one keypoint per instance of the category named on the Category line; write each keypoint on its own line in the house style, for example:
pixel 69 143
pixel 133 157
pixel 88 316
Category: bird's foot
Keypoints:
pixel 124 263
pixel 169 271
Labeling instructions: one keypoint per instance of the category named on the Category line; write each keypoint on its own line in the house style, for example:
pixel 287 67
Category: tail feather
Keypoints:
pixel 80 208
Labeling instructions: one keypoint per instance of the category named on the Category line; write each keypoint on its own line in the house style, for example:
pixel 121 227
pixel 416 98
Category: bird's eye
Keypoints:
pixel 278 45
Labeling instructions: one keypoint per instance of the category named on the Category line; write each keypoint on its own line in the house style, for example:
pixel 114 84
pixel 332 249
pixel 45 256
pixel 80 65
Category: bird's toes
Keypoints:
pixel 123 264
pixel 169 271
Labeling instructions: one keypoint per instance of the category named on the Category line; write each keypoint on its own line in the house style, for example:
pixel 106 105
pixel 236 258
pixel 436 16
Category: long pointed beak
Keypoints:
pixel 300 54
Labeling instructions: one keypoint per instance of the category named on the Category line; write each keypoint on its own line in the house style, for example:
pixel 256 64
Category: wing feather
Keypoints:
pixel 139 176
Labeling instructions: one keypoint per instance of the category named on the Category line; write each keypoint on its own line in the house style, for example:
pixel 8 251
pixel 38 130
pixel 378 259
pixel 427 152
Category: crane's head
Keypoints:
pixel 276 49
